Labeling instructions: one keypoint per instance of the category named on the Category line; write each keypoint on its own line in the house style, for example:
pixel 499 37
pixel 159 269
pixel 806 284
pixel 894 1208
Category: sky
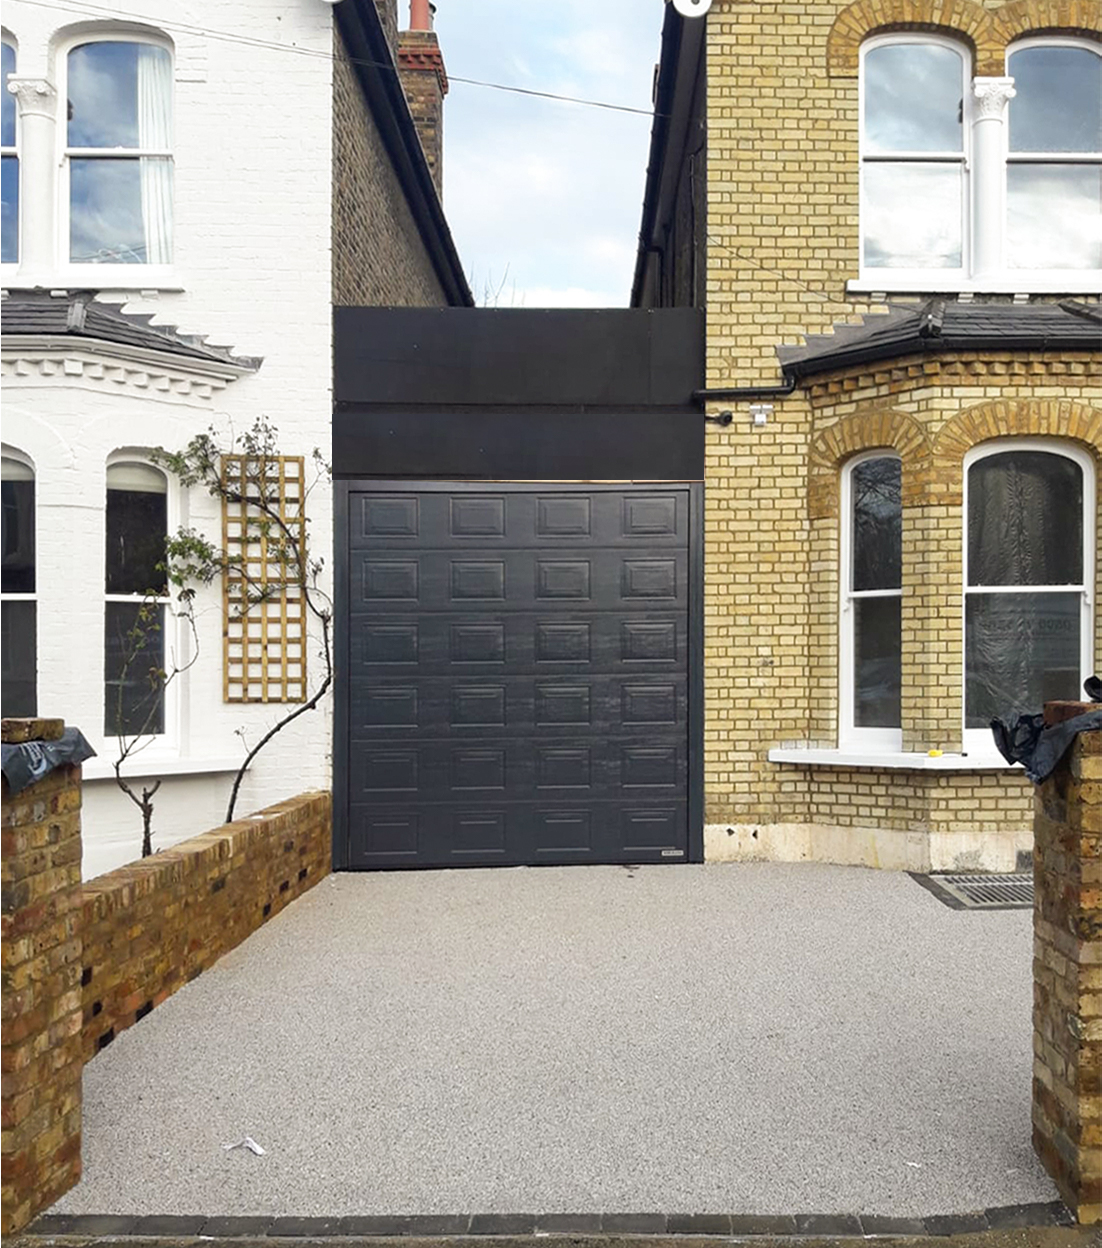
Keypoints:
pixel 544 198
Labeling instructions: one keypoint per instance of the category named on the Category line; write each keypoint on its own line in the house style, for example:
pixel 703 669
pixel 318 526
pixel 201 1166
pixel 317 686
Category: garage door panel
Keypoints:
pixel 472 582
pixel 519 834
pixel 467 707
pixel 518 687
pixel 441 520
pixel 522 643
pixel 504 770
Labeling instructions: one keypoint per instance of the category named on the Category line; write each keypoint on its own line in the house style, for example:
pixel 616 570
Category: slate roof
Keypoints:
pixel 939 326
pixel 78 314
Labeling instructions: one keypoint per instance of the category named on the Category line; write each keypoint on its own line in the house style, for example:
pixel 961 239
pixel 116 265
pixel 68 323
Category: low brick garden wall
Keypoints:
pixel 150 927
pixel 82 962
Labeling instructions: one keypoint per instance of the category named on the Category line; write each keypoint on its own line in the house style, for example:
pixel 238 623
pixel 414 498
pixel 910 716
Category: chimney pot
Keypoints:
pixel 420 15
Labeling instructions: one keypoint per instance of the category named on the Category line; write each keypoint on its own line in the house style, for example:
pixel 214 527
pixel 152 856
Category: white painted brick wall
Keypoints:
pixel 252 252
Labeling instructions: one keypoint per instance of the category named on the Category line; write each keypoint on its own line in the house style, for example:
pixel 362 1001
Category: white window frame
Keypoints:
pixel 1007 280
pixel 865 740
pixel 112 276
pixel 1048 158
pixel 979 741
pixel 176 636
pixel 12 150
pixel 20 457
pixel 894 278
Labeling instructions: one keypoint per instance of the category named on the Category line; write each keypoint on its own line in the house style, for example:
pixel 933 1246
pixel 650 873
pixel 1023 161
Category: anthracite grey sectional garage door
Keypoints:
pixel 517 675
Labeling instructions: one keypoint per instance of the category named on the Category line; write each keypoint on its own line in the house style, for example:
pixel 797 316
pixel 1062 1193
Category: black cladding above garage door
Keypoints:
pixel 517 674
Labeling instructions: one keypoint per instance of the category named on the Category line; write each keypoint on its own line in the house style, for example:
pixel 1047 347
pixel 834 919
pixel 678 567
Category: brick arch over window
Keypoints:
pixel 962 19
pixel 1037 17
pixel 865 431
pixel 1047 418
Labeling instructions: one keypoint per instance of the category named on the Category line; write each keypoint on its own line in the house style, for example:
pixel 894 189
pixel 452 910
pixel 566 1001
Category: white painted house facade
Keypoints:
pixel 180 168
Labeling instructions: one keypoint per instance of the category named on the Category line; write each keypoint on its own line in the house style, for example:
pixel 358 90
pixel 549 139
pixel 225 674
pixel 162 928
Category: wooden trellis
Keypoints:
pixel 264 601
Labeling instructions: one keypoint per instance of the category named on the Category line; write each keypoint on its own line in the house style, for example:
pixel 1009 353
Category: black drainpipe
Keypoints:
pixel 743 392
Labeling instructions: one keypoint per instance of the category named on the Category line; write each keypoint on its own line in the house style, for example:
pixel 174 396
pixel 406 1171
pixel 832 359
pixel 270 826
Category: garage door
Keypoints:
pixel 517 675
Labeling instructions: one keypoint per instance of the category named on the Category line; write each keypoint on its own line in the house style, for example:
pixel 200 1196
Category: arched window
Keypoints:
pixel 135 616
pixel 1029 572
pixel 9 164
pixel 18 608
pixel 118 156
pixel 1054 164
pixel 872 567
pixel 913 153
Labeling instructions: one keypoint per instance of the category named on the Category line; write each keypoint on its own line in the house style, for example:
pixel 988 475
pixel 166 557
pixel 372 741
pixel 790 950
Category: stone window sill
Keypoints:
pixel 810 756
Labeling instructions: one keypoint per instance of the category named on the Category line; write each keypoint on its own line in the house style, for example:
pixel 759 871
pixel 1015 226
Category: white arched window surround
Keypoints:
pixel 870 721
pixel 130 475
pixel 977 739
pixel 1001 253
pixel 18 594
pixel 146 197
pixel 933 164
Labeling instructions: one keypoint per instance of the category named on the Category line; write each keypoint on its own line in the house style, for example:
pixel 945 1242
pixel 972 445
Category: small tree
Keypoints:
pixel 285 544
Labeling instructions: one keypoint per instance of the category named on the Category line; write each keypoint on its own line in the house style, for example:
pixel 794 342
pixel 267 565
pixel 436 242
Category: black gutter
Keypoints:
pixel 748 392
pixel 673 27
pixel 926 344
pixel 365 40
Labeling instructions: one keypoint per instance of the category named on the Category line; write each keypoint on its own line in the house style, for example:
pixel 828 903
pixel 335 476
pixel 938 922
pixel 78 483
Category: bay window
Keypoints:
pixel 872 600
pixel 1029 570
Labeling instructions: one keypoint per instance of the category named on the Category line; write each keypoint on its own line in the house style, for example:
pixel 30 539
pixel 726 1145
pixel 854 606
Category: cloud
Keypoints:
pixel 552 191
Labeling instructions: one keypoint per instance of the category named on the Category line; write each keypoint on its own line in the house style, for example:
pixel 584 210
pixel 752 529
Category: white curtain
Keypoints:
pixel 155 132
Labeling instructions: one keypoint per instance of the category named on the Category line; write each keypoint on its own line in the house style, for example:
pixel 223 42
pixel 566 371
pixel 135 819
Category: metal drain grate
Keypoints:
pixel 980 892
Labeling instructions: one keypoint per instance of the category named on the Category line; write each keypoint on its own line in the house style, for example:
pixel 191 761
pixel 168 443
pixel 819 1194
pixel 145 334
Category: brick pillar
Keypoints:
pixel 40 1033
pixel 1067 971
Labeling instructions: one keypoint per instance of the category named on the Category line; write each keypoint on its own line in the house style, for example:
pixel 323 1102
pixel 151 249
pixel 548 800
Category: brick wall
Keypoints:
pixel 150 927
pixel 379 257
pixel 783 240
pixel 40 1041
pixel 1067 973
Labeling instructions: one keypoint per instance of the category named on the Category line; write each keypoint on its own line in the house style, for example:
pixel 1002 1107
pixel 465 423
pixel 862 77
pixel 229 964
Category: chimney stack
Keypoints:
pixel 421 67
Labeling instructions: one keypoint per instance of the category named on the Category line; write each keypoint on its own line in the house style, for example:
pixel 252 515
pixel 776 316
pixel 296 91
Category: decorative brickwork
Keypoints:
pixel 1067 974
pixel 987 30
pixel 41 960
pixel 152 926
pixel 962 18
pixel 1034 17
pixel 865 431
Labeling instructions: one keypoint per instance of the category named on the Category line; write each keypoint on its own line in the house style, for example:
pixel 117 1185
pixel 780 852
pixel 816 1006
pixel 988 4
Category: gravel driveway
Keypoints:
pixel 765 1038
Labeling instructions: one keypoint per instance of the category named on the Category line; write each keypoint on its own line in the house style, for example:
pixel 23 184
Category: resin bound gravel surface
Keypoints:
pixel 759 1038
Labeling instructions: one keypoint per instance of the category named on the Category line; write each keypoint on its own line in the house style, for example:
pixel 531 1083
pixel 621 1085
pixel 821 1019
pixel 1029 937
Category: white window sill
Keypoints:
pixel 138 768
pixel 810 756
pixel 1020 282
pixel 98 277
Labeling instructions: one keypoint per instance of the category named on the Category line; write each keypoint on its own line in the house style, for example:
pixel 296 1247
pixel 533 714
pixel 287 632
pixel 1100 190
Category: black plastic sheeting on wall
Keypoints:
pixel 31 761
pixel 1025 739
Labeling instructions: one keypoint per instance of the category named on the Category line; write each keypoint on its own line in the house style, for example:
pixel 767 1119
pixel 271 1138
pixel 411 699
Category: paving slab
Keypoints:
pixel 757 1039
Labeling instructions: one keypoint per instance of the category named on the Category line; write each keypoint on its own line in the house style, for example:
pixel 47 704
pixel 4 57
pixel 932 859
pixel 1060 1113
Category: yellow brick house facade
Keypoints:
pixel 890 213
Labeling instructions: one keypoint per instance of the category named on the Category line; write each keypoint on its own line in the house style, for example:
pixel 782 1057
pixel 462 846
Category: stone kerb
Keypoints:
pixel 1067 971
pixel 40 1035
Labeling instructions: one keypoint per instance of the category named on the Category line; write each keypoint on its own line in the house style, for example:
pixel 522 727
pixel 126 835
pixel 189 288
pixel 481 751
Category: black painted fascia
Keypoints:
pixel 369 52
